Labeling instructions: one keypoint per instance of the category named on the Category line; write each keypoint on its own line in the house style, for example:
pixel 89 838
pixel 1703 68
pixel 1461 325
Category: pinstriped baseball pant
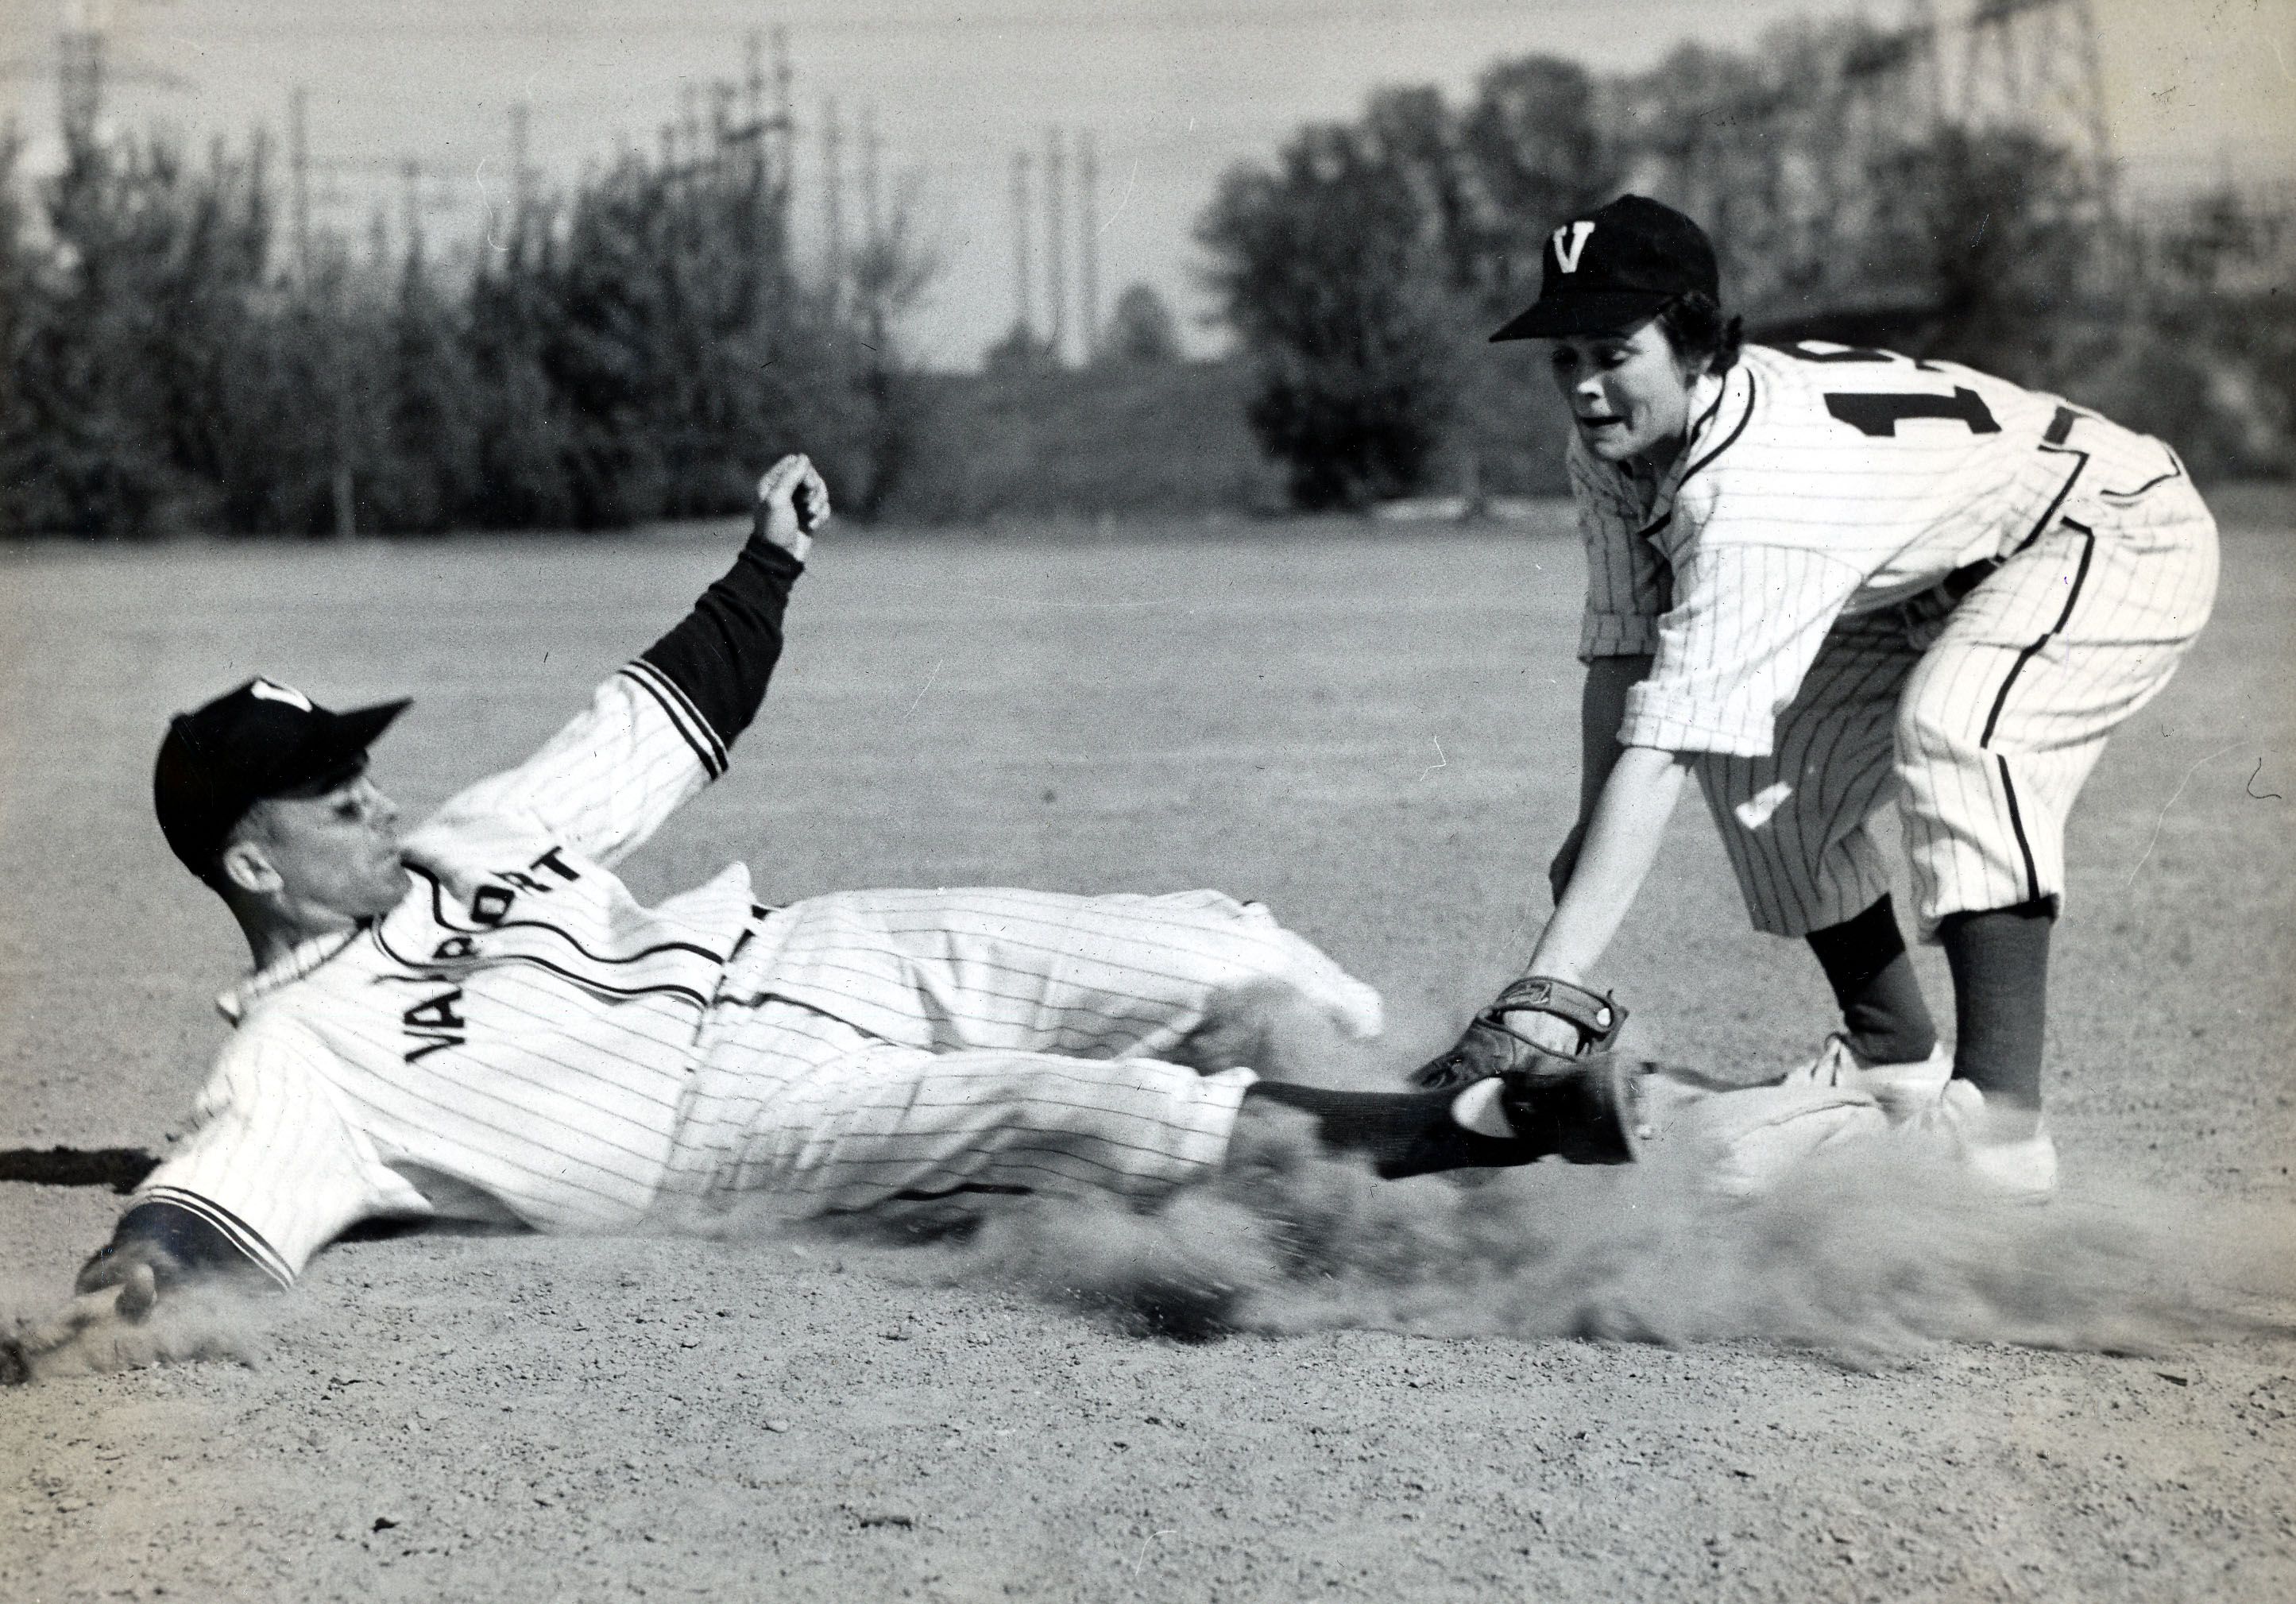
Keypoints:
pixel 1982 723
pixel 1053 1024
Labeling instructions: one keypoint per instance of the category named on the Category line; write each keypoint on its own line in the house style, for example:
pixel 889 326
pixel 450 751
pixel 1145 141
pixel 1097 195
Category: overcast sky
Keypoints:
pixel 1173 93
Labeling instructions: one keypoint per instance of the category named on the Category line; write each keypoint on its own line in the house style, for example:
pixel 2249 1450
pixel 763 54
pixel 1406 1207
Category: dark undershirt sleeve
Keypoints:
pixel 177 1243
pixel 723 653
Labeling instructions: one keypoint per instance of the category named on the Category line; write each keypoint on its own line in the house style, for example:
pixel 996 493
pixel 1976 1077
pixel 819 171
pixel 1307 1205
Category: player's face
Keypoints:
pixel 1629 393
pixel 334 851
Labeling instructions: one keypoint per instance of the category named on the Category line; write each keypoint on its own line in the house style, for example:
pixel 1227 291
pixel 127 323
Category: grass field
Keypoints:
pixel 1375 733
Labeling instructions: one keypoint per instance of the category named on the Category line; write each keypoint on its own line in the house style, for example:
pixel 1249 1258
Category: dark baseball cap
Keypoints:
pixel 263 740
pixel 1615 267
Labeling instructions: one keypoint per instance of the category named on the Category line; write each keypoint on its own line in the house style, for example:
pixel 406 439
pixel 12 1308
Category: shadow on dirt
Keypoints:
pixel 122 1169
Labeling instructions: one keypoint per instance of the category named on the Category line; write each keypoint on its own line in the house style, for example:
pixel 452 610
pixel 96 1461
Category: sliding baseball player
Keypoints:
pixel 477 1021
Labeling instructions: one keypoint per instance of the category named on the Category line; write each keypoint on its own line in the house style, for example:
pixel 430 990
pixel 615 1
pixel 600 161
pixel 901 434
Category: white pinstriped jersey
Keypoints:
pixel 1818 481
pixel 513 1039
pixel 519 1041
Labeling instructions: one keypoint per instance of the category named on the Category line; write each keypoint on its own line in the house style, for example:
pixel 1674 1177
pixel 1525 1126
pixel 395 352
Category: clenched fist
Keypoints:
pixel 792 503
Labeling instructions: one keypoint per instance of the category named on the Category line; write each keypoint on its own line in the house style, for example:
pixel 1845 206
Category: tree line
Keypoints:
pixel 1363 266
pixel 612 358
pixel 167 362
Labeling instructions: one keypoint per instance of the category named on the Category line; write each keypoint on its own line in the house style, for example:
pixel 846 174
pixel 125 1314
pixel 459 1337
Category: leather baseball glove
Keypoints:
pixel 1585 1103
pixel 1490 1046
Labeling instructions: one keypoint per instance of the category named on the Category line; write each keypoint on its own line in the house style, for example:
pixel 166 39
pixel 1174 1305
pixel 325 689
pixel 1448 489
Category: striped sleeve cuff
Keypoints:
pixel 1602 634
pixel 196 1233
pixel 720 656
pixel 683 716
pixel 1673 723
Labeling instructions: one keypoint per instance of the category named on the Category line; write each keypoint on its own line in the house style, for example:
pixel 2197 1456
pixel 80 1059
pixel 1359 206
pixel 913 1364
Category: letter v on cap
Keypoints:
pixel 1576 234
pixel 264 689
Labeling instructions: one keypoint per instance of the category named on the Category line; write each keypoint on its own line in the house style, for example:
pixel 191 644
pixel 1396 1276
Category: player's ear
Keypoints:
pixel 245 865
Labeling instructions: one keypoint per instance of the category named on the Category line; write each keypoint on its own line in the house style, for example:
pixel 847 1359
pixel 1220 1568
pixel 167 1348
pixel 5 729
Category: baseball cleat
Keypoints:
pixel 1901 1088
pixel 2000 1152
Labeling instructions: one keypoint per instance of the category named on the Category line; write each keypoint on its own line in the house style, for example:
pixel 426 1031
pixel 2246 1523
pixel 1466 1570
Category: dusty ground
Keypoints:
pixel 1373 733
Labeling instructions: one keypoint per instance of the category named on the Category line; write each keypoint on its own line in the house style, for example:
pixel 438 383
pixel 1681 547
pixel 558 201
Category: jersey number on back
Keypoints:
pixel 1878 412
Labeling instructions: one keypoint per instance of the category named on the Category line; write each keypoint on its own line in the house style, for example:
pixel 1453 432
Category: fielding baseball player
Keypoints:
pixel 1821 578
pixel 479 1022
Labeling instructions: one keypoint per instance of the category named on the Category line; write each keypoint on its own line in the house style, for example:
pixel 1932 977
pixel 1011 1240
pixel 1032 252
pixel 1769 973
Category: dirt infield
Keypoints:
pixel 1576 1383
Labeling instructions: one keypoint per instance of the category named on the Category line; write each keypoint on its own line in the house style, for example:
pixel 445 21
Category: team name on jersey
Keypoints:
pixel 490 902
pixel 436 1022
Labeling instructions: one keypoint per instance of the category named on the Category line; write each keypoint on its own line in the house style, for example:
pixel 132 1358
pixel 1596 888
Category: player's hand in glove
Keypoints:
pixel 1531 1024
pixel 94 1331
pixel 792 503
pixel 1544 1045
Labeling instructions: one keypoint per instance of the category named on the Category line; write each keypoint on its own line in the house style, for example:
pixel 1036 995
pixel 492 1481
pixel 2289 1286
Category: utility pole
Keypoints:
pixel 299 169
pixel 871 156
pixel 2034 63
pixel 521 168
pixel 86 66
pixel 410 172
pixel 329 329
pixel 753 76
pixel 1088 238
pixel 785 120
pixel 1023 276
pixel 832 197
pixel 1056 272
pixel 753 105
pixel 80 72
pixel 721 129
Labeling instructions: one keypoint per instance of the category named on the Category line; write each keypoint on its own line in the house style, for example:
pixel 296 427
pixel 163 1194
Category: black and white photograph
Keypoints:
pixel 1114 800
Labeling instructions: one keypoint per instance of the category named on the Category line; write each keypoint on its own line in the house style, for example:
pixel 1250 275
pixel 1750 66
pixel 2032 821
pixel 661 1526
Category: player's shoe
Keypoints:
pixel 1902 1088
pixel 2017 1165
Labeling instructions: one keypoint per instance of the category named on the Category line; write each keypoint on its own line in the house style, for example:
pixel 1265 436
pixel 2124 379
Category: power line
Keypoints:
pixel 1149 18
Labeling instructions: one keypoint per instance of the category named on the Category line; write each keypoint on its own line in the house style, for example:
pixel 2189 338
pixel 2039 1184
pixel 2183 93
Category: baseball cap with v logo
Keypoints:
pixel 1615 267
pixel 262 739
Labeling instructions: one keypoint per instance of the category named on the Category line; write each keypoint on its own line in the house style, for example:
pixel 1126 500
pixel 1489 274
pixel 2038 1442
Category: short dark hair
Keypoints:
pixel 1694 325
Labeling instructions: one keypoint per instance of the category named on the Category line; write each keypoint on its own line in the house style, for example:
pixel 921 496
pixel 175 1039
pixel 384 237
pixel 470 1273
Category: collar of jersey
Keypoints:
pixel 1707 405
pixel 296 962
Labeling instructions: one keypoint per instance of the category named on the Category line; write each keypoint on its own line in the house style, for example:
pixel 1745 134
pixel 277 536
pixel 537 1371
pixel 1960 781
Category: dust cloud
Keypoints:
pixel 192 1322
pixel 1861 1258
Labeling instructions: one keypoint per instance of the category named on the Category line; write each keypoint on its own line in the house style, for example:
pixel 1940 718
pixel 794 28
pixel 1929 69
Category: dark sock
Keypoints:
pixel 1865 960
pixel 2000 962
pixel 1401 1132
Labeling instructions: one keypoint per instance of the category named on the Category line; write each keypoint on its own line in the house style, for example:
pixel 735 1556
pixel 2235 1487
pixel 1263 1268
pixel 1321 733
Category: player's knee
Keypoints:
pixel 1934 728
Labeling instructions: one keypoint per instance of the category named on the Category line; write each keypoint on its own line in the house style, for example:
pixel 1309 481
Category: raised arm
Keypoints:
pixel 660 729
